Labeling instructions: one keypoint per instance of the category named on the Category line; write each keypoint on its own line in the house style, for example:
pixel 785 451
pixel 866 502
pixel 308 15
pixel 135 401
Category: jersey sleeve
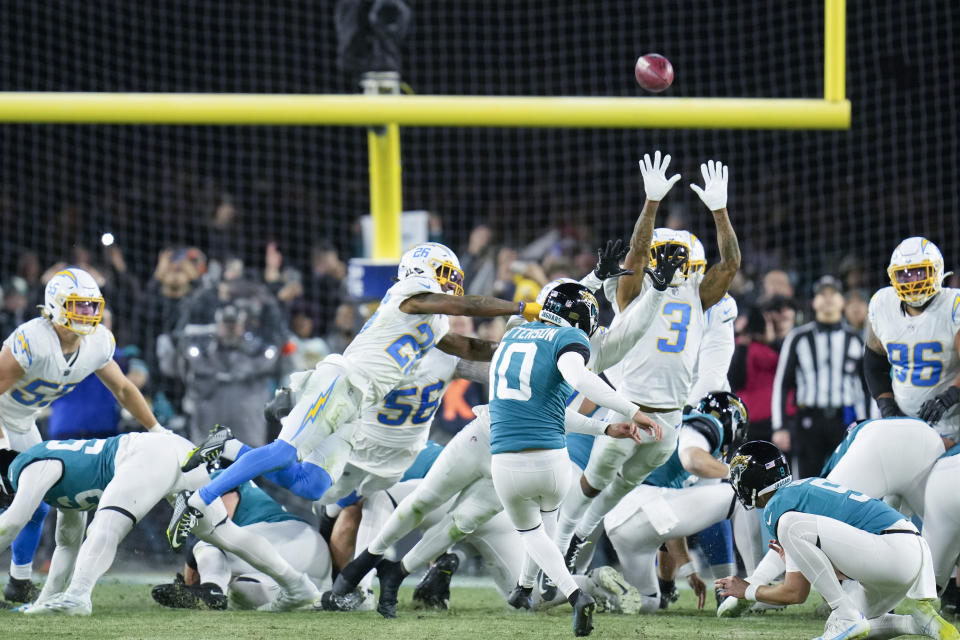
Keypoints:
pixel 106 345
pixel 875 312
pixel 571 339
pixel 724 311
pixel 955 310
pixel 25 347
pixel 413 286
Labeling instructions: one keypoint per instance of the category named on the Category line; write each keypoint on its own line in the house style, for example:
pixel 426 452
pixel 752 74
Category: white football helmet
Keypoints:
pixel 662 236
pixel 73 300
pixel 698 256
pixel 916 271
pixel 550 286
pixel 436 261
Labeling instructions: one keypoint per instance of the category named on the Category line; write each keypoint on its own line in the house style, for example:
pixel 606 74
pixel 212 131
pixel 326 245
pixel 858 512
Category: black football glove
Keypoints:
pixel 889 408
pixel 933 409
pixel 670 257
pixel 608 260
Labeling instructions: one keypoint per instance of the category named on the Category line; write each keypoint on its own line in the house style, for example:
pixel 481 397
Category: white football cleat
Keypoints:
pixel 619 595
pixel 61 604
pixel 732 607
pixel 304 594
pixel 933 625
pixel 845 627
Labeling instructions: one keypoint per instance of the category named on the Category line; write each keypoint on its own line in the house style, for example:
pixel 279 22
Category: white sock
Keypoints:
pixel 98 551
pixel 257 552
pixel 891 625
pixel 546 554
pixel 601 506
pixel 574 506
pixel 528 572
pixel 231 449
pixel 21 571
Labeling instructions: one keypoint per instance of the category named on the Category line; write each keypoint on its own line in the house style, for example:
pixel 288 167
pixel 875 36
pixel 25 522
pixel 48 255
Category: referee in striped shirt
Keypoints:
pixel 821 362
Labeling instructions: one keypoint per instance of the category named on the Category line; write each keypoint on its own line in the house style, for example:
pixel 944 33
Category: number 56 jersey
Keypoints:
pixel 921 351
pixel 47 375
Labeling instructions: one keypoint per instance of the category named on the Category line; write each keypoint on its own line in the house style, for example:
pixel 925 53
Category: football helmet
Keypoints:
pixel 757 469
pixel 916 271
pixel 729 409
pixel 550 286
pixel 6 487
pixel 436 261
pixel 698 255
pixel 570 304
pixel 663 236
pixel 73 300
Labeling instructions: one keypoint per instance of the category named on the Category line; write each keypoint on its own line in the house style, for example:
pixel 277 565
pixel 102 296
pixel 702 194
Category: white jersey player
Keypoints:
pixel 941 519
pixel 911 362
pixel 658 373
pixel 44 359
pixel 410 321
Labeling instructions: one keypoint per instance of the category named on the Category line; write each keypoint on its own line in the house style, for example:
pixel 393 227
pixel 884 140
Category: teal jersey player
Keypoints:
pixel 672 474
pixel 88 467
pixel 527 390
pixel 256 506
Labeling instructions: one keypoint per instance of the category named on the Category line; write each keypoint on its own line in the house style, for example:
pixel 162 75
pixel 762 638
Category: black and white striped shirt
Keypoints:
pixel 823 363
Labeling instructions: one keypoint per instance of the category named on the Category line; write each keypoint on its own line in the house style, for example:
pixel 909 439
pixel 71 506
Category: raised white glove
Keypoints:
pixel 714 193
pixel 655 181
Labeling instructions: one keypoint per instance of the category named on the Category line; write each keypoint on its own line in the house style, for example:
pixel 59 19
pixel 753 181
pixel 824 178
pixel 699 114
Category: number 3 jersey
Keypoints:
pixel 921 350
pixel 392 341
pixel 658 371
pixel 88 467
pixel 47 374
pixel 528 395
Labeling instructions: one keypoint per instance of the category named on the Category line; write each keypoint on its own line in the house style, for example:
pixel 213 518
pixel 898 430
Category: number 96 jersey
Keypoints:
pixel 391 342
pixel 47 375
pixel 921 350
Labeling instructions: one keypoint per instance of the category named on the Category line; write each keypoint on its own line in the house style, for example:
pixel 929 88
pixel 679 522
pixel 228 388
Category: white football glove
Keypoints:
pixel 655 181
pixel 714 193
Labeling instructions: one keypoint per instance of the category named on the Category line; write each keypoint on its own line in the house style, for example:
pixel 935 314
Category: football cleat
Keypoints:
pixel 209 450
pixel 548 590
pixel 433 590
pixel 184 519
pixel 668 592
pixel 350 601
pixel 391 575
pixel 20 590
pixel 178 595
pixel 577 544
pixel 924 613
pixel 521 597
pixel 61 604
pixel 620 595
pixel 304 594
pixel 732 607
pixel 840 627
pixel 583 608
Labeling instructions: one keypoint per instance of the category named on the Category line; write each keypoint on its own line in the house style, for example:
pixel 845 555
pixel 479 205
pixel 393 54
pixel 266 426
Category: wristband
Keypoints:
pixel 686 570
pixel 751 592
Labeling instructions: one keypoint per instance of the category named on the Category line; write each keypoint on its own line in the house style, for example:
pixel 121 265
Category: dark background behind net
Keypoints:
pixel 804 200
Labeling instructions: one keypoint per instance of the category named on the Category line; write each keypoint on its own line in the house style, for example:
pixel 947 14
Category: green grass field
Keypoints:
pixel 124 610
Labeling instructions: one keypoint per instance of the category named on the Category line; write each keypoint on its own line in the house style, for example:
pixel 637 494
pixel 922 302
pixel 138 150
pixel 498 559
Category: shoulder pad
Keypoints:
pixel 415 284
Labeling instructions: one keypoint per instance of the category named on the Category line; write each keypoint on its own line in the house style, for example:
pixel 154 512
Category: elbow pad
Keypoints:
pixel 876 370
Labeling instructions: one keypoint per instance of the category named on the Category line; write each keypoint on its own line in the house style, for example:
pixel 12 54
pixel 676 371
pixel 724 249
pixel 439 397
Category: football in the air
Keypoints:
pixel 654 72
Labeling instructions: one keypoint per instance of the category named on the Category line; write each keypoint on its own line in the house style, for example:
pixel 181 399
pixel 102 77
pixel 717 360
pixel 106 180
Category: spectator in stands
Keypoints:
pixel 344 328
pixel 228 377
pixel 28 268
pixel 16 307
pixel 91 410
pixel 225 236
pixel 782 313
pixel 855 311
pixel 323 289
pixel 286 284
pixel 821 362
pixel 775 282
pixel 308 348
pixel 752 370
pixel 479 262
pixel 123 289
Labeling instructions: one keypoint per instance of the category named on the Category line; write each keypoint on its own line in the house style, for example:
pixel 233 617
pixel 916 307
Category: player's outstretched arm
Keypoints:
pixel 714 195
pixel 68 535
pixel 701 464
pixel 477 306
pixel 128 396
pixel 467 348
pixel 656 185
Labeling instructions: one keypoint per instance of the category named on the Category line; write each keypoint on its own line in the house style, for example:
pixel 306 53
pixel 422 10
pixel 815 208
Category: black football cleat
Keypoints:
pixel 177 595
pixel 548 590
pixel 20 590
pixel 433 591
pixel 349 601
pixel 521 597
pixel 668 592
pixel 577 544
pixel 583 607
pixel 209 450
pixel 391 575
pixel 184 519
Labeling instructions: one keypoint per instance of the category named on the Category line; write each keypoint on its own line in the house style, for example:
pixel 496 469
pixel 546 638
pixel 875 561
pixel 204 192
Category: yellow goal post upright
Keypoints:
pixel 383 110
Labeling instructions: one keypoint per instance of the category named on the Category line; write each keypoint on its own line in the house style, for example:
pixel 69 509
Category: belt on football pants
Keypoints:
pixel 886 531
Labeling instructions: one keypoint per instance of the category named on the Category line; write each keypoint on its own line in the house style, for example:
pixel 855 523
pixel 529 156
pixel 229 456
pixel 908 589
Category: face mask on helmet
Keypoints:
pixel 6 487
pixel 663 239
pixel 732 414
pixel 698 256
pixel 571 305
pixel 916 271
pixel 72 299
pixel 436 261
pixel 758 468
